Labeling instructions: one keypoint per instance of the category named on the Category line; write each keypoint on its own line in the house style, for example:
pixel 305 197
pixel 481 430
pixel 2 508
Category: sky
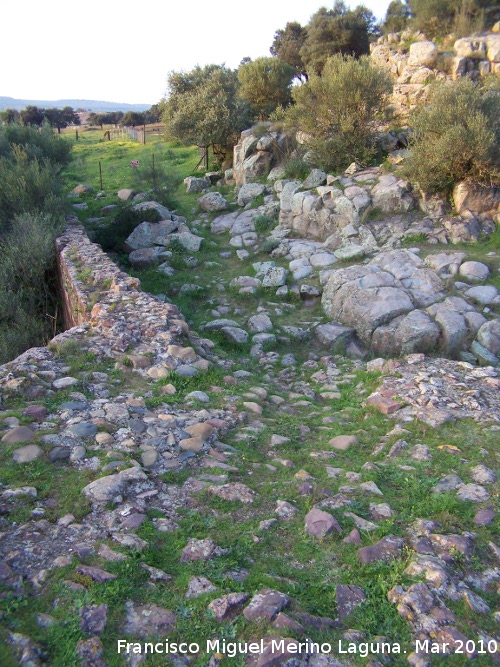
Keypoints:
pixel 122 51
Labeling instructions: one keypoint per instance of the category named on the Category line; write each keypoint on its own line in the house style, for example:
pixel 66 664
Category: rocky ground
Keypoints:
pixel 230 475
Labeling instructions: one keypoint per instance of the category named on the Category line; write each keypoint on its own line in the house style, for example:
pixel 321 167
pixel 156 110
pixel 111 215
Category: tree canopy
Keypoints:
pixel 265 83
pixel 336 109
pixel 203 108
pixel 287 44
pixel 337 30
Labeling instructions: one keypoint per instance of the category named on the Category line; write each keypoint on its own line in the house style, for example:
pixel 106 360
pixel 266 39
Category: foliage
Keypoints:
pixel 61 118
pixel 203 108
pixel 27 292
pixel 297 168
pixel 438 17
pixel 287 44
pixel 133 118
pixel 337 30
pixel 336 110
pixel 159 178
pixel 396 18
pixel 40 144
pixel 29 177
pixel 32 115
pixel 265 84
pixel 263 223
pixel 10 116
pixel 30 218
pixel 457 137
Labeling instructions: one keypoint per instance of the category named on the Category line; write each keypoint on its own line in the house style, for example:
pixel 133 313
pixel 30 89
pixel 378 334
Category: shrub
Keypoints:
pixel 456 137
pixel 263 223
pixel 27 184
pixel 160 179
pixel 297 168
pixel 337 109
pixel 27 283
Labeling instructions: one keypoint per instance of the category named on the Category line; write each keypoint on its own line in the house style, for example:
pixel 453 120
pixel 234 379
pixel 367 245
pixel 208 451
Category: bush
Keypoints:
pixel 27 184
pixel 28 292
pixel 337 109
pixel 160 179
pixel 456 137
pixel 263 223
pixel 31 216
pixel 297 168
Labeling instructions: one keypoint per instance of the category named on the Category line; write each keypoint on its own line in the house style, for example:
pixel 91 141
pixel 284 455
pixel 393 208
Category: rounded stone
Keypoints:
pixel 342 442
pixel 474 270
pixel 198 396
pixel 64 383
pixel 27 454
pixel 83 429
pixel 149 458
pixel 18 434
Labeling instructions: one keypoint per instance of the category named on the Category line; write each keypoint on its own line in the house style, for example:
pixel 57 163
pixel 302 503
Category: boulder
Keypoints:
pixel 248 192
pixel 104 489
pixel 213 201
pixel 475 198
pixel 319 523
pixel 493 48
pixel 408 334
pixel 423 54
pixel 145 257
pixel 471 47
pixel 489 336
pixel 392 194
pixel 82 189
pixel 316 178
pixel 162 211
pixel 474 271
pixel 125 194
pixel 196 184
pixel 365 297
pixel 148 234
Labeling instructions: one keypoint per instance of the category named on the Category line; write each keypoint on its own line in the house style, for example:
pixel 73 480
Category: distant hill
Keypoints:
pixel 88 105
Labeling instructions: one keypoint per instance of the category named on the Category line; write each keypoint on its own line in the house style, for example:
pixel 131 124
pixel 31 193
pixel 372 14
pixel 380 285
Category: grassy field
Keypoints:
pixel 93 149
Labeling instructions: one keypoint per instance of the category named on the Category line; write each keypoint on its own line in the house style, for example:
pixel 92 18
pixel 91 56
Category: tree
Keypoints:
pixel 339 30
pixel 133 118
pixel 113 117
pixel 337 109
pixel 203 108
pixel 397 16
pixel 265 84
pixel 287 44
pixel 32 115
pixel 61 118
pixel 153 114
pixel 9 116
pixel 456 137
pixel 96 119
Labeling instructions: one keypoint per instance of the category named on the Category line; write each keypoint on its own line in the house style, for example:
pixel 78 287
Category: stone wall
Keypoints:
pixel 106 313
pixel 414 68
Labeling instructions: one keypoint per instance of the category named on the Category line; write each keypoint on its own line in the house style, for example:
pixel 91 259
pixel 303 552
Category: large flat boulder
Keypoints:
pixel 148 234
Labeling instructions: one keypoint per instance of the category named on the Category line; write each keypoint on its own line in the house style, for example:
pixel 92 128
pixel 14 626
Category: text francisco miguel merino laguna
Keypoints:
pixel 287 646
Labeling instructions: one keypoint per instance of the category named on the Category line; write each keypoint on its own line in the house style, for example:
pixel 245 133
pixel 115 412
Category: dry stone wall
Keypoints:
pixel 415 68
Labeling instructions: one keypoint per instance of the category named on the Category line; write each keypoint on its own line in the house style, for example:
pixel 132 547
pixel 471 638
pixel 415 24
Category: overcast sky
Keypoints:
pixel 122 51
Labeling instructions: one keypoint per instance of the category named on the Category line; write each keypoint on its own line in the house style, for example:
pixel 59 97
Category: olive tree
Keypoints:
pixel 265 83
pixel 336 110
pixel 456 137
pixel 202 107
